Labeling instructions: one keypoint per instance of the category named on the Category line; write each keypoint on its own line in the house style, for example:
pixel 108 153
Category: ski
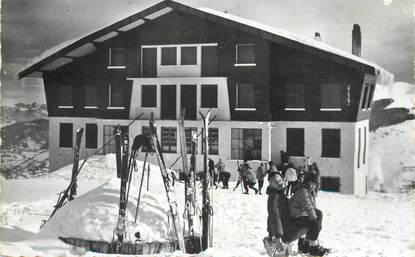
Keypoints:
pixel 168 185
pixel 121 144
pixel 207 210
pixel 70 192
pixel 192 243
pixel 75 165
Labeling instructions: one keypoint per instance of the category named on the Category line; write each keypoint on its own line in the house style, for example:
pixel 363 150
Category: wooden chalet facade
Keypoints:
pixel 270 91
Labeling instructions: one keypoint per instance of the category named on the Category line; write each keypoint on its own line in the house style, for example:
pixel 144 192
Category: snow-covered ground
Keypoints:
pixel 372 225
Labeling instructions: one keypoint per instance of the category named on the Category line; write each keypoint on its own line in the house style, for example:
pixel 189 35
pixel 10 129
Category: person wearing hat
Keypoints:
pixel 303 212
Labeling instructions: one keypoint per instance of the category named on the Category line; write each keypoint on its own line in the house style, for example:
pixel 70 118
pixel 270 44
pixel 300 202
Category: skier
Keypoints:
pixel 276 206
pixel 223 175
pixel 212 172
pixel 250 178
pixel 260 174
pixel 290 180
pixel 303 212
pixel 241 175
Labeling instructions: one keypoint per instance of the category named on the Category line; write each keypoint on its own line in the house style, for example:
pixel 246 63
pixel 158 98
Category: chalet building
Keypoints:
pixel 269 90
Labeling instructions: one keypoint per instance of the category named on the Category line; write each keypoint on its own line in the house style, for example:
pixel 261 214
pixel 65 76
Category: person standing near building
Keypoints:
pixel 223 175
pixel 260 175
pixel 212 173
pixel 249 178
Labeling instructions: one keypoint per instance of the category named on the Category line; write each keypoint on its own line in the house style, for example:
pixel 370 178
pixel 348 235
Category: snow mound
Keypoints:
pixel 402 93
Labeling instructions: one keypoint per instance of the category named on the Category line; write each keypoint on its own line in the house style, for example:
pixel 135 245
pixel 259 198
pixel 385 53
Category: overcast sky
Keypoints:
pixel 30 27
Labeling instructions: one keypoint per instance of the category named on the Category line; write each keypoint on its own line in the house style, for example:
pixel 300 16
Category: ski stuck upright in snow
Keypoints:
pixel 168 185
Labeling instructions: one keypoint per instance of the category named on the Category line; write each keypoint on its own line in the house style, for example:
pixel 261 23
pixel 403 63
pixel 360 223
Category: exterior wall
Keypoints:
pixel 343 167
pixel 60 156
pixel 222 111
pixel 361 164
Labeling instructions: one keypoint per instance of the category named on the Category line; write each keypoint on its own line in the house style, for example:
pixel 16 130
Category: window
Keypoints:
pixel 149 96
pixel 189 55
pixel 364 144
pixel 116 58
pixel 245 96
pixel 188 135
pixel 295 141
pixel 65 96
pixel 65 134
pixel 365 95
pixel 169 139
pixel 109 141
pixel 116 99
pixel 330 96
pixel 330 143
pixel 246 144
pixel 91 135
pixel 91 96
pixel 245 55
pixel 370 96
pixel 213 141
pixel 331 184
pixel 294 99
pixel 169 56
pixel 209 96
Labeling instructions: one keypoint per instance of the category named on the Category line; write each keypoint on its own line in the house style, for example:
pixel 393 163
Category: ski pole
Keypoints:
pixel 148 177
pixel 141 186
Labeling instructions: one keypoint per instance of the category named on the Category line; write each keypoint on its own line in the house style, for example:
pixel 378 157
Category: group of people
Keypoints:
pixel 292 212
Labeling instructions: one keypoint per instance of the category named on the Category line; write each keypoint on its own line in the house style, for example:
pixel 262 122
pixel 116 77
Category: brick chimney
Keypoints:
pixel 356 40
pixel 317 36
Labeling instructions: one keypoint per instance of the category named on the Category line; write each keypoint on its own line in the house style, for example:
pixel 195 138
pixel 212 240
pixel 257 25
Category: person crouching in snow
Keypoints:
pixel 277 204
pixel 303 212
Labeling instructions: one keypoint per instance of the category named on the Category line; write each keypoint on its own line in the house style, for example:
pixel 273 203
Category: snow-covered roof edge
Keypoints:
pixel 380 72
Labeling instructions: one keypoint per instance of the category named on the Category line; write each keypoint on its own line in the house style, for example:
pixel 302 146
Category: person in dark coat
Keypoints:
pixel 212 173
pixel 303 212
pixel 250 179
pixel 223 175
pixel 260 175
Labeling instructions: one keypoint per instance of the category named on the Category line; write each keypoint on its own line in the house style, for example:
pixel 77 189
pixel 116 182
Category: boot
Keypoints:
pixel 317 250
pixel 302 245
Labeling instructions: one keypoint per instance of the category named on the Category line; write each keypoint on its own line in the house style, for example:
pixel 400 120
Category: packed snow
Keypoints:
pixel 352 225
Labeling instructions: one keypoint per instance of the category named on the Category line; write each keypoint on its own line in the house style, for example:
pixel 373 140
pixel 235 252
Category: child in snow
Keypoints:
pixel 303 212
pixel 290 180
pixel 276 206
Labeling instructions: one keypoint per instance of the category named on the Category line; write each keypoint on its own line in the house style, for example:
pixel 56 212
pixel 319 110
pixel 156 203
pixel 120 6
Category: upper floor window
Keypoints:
pixel 169 55
pixel 245 55
pixel 116 96
pixel 116 58
pixel 368 91
pixel 91 96
pixel 245 97
pixel 294 97
pixel 149 96
pixel 65 96
pixel 188 55
pixel 330 97
pixel 209 96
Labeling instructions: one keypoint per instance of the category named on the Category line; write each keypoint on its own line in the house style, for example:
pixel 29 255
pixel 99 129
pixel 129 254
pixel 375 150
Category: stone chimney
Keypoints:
pixel 317 36
pixel 356 40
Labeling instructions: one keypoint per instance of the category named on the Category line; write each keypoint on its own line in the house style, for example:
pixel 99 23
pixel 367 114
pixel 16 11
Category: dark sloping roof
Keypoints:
pixel 65 52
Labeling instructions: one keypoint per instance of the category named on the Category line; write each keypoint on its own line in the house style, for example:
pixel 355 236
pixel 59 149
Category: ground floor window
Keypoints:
pixel 91 132
pixel 188 135
pixel 213 141
pixel 65 134
pixel 331 184
pixel 146 131
pixel 330 140
pixel 169 139
pixel 295 141
pixel 109 140
pixel 246 144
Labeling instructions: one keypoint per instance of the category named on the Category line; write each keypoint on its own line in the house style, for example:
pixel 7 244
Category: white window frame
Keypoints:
pixel 236 56
pixel 109 59
pixel 236 102
pixel 109 107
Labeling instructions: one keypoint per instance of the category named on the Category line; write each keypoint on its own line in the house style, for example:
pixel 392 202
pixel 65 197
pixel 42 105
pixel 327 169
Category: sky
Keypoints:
pixel 29 27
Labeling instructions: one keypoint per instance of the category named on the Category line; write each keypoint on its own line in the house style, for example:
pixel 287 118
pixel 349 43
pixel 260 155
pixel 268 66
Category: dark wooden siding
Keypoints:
pixel 289 65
